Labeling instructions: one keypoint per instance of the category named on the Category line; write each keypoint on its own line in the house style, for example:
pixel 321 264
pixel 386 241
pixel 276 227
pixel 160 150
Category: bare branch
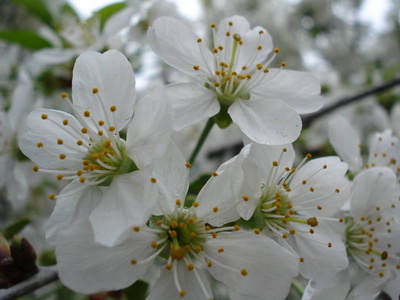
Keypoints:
pixel 45 276
pixel 380 88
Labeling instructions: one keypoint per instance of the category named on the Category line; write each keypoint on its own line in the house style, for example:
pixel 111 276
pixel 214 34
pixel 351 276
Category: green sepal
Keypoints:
pixel 15 228
pixel 223 119
pixel 137 291
pixel 256 221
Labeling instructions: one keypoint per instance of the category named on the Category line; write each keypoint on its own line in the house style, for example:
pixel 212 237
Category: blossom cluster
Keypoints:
pixel 263 218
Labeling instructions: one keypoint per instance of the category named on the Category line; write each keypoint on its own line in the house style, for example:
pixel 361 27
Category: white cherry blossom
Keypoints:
pixel 188 242
pixel 233 82
pixel 87 149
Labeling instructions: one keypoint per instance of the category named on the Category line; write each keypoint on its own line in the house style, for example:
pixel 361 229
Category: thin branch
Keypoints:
pixel 380 88
pixel 45 276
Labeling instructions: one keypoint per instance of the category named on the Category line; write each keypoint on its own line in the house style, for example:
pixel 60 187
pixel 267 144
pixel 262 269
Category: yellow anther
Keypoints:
pixel 136 228
pixel 381 274
pixel 230 23
pixel 245 198
pixel 100 132
pixel 178 202
pixel 188 165
pixel 261 32
pixel 133 261
pixel 312 221
pixel 237 37
pixel 311 231
pixel 168 266
pixel 196 68
pixel 154 245
pixel 44 117
pixel 213 25
pixel 52 197
pixel 259 47
pixel 214 235
pixel 244 272
pixel 111 128
pixel 192 235
pixel 236 227
pixel 308 155
pixel 39 145
pixel 182 225
pixel 59 177
pixel 174 224
pixel 64 95
pixel 341 220
pixel 82 179
pixel 86 114
pixel 329 245
pixel 217 84
pixel 62 156
pixel 209 264
pixel 266 70
pixel 377 208
pixel 79 173
pixel 113 108
pixel 60 142
pixel 199 40
pixel 257 231
pixel 190 220
pixel 319 207
pixel 215 174
pixel 190 267
pixel 312 189
pixel 182 293
pixel 276 50
pixel 370 267
pixel 207 228
pixel 101 123
pixel 215 209
pixel 172 234
pixel 284 235
pixel 301 259
pixel 84 130
pixel 292 231
pixel 65 122
pixel 283 64
pixel 153 180
pixel 159 223
pixel 35 168
pixel 220 250
pixel 85 162
pixel 95 90
pixel 275 163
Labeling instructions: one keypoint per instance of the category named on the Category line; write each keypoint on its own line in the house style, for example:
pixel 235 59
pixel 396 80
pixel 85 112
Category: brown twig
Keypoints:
pixel 380 88
pixel 45 276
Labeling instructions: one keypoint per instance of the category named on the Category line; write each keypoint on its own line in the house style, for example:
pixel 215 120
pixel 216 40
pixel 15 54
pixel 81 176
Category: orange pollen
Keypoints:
pixel 82 179
pixel 188 165
pixel 113 108
pixel 65 122
pixel 62 156
pixel 84 130
pixel 64 95
pixel 52 197
pixel 133 261
pixel 168 266
pixel 220 250
pixel 95 90
pixel 86 114
pixel 153 180
pixel 215 174
pixel 178 202
pixel 215 209
pixel 59 177
pixel 301 259
pixel 329 245
pixel 190 267
pixel 39 145
pixel 244 272
pixel 35 168
pixel 245 198
pixel 197 249
pixel 136 228
pixel 257 231
pixel 154 245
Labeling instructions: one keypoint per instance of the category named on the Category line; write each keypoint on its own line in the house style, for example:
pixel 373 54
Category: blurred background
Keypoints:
pixel 349 45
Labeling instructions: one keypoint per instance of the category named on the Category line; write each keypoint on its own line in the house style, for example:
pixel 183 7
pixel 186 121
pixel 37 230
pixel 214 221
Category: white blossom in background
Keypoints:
pixel 109 174
pixel 294 206
pixel 372 241
pixel 383 148
pixel 188 241
pixel 232 81
pixel 15 169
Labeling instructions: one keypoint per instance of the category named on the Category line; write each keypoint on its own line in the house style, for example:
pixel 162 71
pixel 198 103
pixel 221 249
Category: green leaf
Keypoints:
pixel 107 12
pixel 197 185
pixel 137 291
pixel 15 228
pixel 37 8
pixel 24 38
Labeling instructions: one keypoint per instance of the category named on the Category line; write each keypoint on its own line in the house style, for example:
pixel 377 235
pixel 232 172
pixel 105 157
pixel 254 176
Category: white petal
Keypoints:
pixel 337 292
pixel 299 90
pixel 217 203
pixel 321 263
pixel 251 39
pixel 325 190
pixel 128 201
pixel 346 142
pixel 112 74
pixel 165 287
pixel 384 149
pixel 370 287
pixel 48 132
pixel 395 118
pixel 270 267
pixel 79 204
pixel 266 121
pixel 148 134
pixel 88 268
pixel 191 103
pixel 177 45
pixel 372 188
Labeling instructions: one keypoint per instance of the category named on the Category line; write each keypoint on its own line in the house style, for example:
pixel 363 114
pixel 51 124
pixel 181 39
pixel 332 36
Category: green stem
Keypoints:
pixel 297 287
pixel 201 140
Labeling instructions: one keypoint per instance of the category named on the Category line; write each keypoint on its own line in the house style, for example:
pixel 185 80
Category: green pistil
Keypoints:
pixel 235 44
